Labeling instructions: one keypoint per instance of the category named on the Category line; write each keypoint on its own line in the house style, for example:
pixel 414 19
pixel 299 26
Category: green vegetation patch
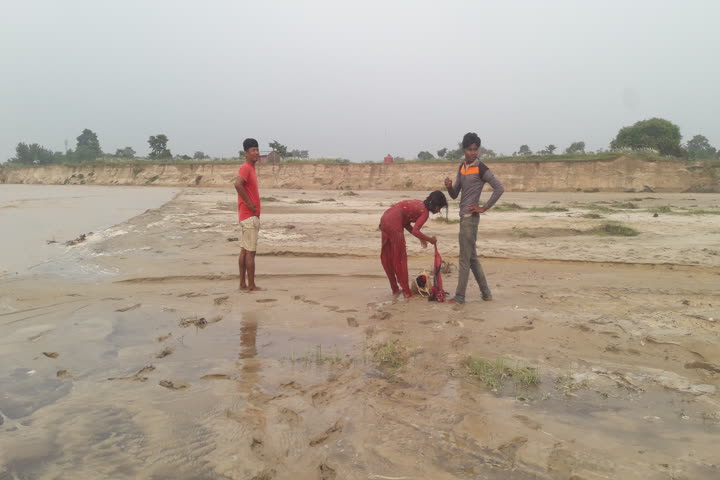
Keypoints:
pixel 389 354
pixel 496 373
pixel 614 229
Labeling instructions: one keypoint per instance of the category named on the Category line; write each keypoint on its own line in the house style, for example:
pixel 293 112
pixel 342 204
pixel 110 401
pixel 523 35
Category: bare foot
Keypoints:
pixel 243 288
pixel 255 288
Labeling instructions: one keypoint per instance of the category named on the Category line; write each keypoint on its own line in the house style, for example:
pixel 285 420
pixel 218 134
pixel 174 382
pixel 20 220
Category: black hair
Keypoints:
pixel 250 143
pixel 471 138
pixel 435 199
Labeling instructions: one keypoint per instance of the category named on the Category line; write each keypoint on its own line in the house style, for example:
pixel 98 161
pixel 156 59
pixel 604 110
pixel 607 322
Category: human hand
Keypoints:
pixel 476 209
pixel 448 182
pixel 253 208
pixel 423 243
pixel 432 240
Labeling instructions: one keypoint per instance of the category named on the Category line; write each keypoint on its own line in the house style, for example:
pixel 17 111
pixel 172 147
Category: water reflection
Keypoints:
pixel 249 363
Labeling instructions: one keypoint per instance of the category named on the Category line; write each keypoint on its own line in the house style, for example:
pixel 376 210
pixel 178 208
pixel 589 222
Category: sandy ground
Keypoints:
pixel 135 355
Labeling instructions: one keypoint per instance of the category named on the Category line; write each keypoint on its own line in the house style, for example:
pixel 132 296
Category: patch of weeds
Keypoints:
pixel 591 190
pixel 327 200
pixel 349 193
pixel 703 212
pixel 302 201
pixel 592 215
pixel 567 384
pixel 614 229
pixel 508 207
pixel 137 170
pixel 269 199
pixel 409 184
pixel 662 209
pixel 495 373
pixel 547 209
pixel 447 220
pixel 521 233
pixel 713 417
pixel 152 179
pixel 389 354
pixel 600 208
pixel 625 205
pixel 318 357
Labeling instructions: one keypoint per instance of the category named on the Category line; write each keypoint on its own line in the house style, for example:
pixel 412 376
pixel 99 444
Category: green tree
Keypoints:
pixel 454 155
pixel 656 133
pixel 299 154
pixel 425 156
pixel 576 147
pixel 127 152
pixel 524 150
pixel 699 148
pixel 486 152
pixel 158 147
pixel 279 148
pixel 548 150
pixel 88 146
pixel 34 154
pixel 199 155
pixel 441 153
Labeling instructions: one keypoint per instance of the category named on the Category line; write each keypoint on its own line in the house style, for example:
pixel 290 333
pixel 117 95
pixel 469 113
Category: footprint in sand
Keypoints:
pixel 266 300
pixel 216 376
pixel 173 384
pixel 323 437
pixel 165 352
pixel 381 316
pixel 510 449
pixel 305 300
pixel 64 374
pixel 289 417
pixel 352 322
pixel 519 328
pixel 51 354
pixel 327 472
pixel 221 300
pixel 528 422
pixel 162 338
pixel 138 377
pixel 131 307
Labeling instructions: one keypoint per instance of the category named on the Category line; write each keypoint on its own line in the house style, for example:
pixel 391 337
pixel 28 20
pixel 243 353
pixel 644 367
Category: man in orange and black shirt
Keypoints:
pixel 471 178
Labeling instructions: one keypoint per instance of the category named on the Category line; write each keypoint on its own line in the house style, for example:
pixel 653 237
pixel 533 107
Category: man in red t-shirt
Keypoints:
pixel 246 186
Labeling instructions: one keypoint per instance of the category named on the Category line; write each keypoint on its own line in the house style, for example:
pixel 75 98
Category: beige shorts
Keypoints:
pixel 250 228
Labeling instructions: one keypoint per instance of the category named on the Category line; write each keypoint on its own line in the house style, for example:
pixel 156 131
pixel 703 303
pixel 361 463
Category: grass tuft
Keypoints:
pixel 614 229
pixel 495 373
pixel 390 354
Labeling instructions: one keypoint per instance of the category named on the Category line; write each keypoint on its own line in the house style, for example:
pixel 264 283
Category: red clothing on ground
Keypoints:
pixel 388 159
pixel 393 254
pixel 247 173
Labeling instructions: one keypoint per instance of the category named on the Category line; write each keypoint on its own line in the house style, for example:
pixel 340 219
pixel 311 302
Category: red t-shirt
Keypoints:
pixel 247 173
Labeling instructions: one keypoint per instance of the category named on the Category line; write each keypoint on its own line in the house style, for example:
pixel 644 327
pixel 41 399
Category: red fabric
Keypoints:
pixel 403 214
pixel 247 173
pixel 393 254
pixel 389 159
pixel 438 290
pixel 394 260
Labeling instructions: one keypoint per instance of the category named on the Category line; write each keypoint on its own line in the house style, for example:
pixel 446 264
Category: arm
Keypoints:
pixel 453 191
pixel 418 225
pixel 240 189
pixel 497 187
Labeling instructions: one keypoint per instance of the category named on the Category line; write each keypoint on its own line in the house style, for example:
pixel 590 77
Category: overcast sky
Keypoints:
pixel 354 79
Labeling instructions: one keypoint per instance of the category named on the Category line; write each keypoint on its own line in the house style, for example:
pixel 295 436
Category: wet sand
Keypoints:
pixel 161 368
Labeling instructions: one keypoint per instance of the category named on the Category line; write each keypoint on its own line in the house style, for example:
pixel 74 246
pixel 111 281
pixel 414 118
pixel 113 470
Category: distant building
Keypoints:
pixel 389 158
pixel 272 157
